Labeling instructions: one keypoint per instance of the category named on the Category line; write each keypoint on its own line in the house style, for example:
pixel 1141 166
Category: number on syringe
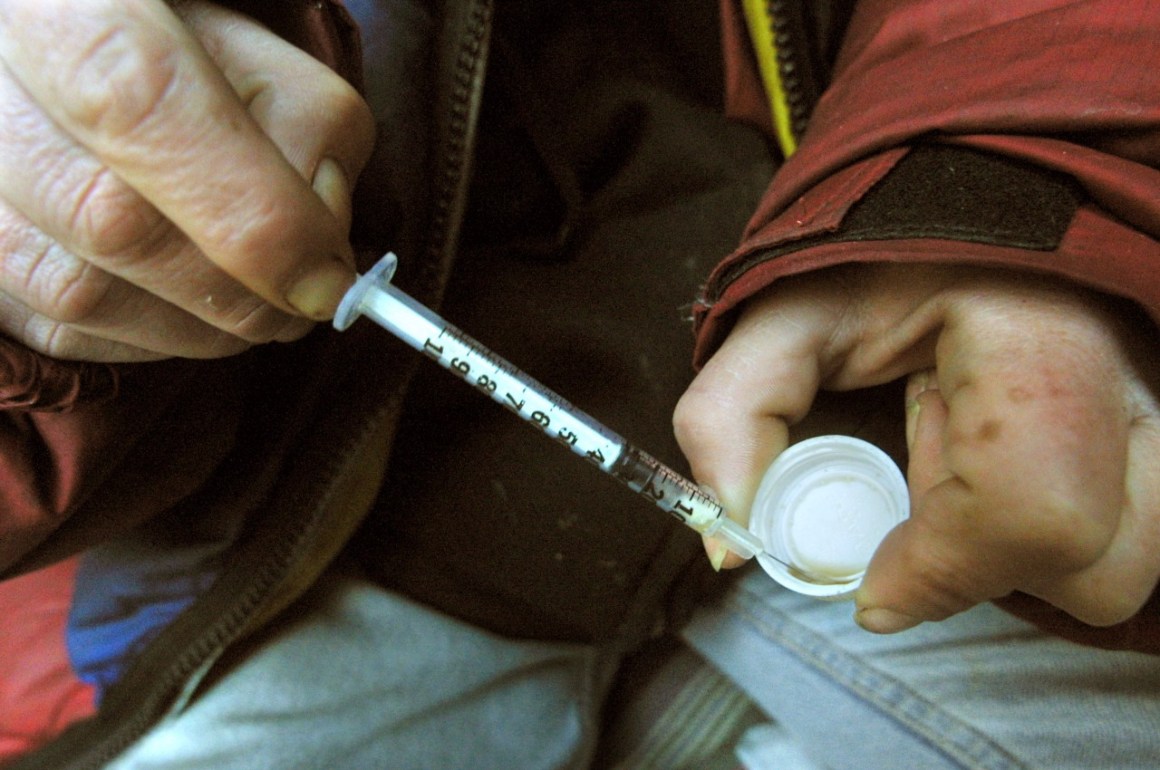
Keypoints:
pixel 651 490
pixel 682 511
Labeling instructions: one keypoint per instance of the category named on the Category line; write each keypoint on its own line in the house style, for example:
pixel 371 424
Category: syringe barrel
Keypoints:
pixel 453 349
pixel 373 295
pixel 672 492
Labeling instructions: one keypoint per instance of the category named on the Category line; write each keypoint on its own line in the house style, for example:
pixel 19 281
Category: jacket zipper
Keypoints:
pixel 778 32
pixel 450 180
pixel 458 141
pixel 792 64
pixel 777 44
pixel 202 652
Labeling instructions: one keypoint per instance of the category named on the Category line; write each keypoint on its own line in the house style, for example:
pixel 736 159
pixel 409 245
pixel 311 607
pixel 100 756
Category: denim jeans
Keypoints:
pixel 359 678
pixel 980 690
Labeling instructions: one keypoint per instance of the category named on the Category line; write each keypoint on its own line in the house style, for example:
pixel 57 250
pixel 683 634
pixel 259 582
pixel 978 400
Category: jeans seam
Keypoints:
pixel 941 730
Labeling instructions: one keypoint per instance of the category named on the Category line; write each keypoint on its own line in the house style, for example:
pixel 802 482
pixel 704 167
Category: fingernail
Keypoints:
pixel 717 553
pixel 331 184
pixel 317 294
pixel 915 387
pixel 880 621
pixel 913 408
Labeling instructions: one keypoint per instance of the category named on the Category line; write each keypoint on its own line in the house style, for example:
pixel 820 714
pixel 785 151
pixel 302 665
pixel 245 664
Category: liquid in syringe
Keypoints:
pixel 374 296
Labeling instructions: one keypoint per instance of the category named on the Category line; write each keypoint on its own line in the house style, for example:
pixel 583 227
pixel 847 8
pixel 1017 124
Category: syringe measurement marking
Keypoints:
pixel 655 480
pixel 539 406
pixel 422 329
pixel 511 388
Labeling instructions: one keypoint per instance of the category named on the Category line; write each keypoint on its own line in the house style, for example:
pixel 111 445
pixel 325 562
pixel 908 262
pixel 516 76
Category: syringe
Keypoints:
pixel 374 296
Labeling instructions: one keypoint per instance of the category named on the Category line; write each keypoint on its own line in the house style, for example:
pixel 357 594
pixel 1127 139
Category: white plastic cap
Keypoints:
pixel 822 508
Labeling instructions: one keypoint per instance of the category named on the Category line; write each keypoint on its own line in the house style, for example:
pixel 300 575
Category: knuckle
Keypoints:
pixel 1043 523
pixel 53 282
pixel 689 423
pixel 1107 610
pixel 704 411
pixel 220 344
pixel 345 110
pixel 47 337
pixel 928 561
pixel 54 339
pixel 1064 535
pixel 72 293
pixel 252 238
pixel 947 587
pixel 1092 598
pixel 354 115
pixel 118 78
pixel 63 342
pixel 1112 591
pixel 266 323
pixel 108 219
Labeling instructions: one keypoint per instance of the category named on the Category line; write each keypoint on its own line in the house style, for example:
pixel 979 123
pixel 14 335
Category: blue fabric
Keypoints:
pixel 126 592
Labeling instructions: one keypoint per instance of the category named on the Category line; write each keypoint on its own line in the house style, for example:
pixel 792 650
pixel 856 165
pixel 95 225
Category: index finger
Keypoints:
pixel 127 81
pixel 734 418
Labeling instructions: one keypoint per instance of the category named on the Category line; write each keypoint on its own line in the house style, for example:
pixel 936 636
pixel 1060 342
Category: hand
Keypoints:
pixel 169 186
pixel 1032 422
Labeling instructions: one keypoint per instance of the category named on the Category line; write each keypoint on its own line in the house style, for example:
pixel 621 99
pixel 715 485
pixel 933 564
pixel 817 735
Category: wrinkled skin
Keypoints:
pixel 174 180
pixel 1032 424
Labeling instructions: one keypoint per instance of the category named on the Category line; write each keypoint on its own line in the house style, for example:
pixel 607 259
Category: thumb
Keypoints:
pixel 912 575
pixel 729 437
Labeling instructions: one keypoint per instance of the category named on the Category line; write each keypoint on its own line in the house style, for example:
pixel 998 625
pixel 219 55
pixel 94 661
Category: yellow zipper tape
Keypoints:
pixel 760 24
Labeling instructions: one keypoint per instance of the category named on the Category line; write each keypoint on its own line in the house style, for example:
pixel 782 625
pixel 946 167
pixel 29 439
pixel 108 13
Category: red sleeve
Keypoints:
pixel 119 443
pixel 1065 86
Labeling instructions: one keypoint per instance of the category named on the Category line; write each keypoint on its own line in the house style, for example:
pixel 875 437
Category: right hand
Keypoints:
pixel 170 185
